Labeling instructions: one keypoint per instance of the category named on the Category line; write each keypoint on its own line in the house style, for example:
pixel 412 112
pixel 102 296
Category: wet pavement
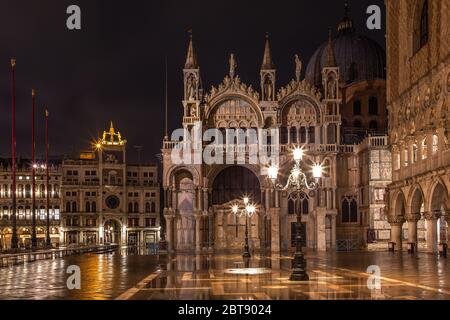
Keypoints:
pixel 132 275
pixel 103 276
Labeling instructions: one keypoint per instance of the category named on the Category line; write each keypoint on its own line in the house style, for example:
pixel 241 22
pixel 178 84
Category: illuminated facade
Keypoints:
pixel 106 200
pixel 24 203
pixel 346 212
pixel 97 198
pixel 419 112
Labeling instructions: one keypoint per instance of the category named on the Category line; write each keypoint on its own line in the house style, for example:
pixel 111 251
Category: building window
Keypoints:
pixel 130 207
pixel 435 144
pixel 153 207
pixel 293 135
pixel 349 211
pixel 93 206
pixel 88 206
pixel 147 207
pixel 406 155
pixel 74 206
pixel 415 153
pixel 357 107
pixel 424 149
pixel 136 207
pixel 373 106
pixel 421 26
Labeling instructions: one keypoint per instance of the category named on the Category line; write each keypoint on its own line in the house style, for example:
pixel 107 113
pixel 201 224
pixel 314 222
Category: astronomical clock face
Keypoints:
pixel 112 202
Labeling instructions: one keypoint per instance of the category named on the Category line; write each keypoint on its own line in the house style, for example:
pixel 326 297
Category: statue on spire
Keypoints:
pixel 233 66
pixel 298 67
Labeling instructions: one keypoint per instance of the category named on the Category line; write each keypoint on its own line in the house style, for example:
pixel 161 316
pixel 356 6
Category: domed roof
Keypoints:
pixel 359 58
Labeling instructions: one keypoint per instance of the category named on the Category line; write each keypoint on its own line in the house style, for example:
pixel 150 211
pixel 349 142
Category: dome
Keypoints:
pixel 359 58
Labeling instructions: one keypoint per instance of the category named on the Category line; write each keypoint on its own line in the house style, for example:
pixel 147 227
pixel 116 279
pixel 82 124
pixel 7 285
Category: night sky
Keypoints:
pixel 113 68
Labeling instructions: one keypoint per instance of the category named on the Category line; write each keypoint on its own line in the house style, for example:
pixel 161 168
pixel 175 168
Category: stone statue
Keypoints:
pixel 233 65
pixel 298 67
pixel 331 88
pixel 191 92
pixel 268 92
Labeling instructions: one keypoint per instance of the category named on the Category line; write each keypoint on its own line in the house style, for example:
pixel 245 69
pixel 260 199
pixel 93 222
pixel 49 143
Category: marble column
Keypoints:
pixel 169 233
pixel 447 219
pixel 275 230
pixel 412 228
pixel 396 223
pixel 197 233
pixel 210 231
pixel 432 240
pixel 333 231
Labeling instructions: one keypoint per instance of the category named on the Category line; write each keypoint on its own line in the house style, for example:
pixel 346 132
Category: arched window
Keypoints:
pixel 130 207
pixel 373 125
pixel 291 206
pixel 147 207
pixel 284 132
pixel 357 107
pixel 153 207
pixel 302 135
pixel 56 210
pixel 27 191
pixel 42 190
pixel 311 135
pixel 415 153
pixel 93 206
pixel 88 206
pixel 345 211
pixel 353 211
pixel 293 135
pixel 373 106
pixel 435 143
pixel 424 148
pixel 349 211
pixel 74 206
pixel 421 28
pixel 136 207
pixel 68 207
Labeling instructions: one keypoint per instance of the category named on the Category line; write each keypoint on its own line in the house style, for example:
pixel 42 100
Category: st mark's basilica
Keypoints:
pixel 336 113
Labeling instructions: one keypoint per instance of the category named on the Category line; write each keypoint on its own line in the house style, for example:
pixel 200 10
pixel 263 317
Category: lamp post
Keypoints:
pixel 296 184
pixel 247 210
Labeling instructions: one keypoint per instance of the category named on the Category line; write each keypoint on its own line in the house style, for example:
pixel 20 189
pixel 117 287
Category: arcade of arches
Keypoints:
pixel 421 217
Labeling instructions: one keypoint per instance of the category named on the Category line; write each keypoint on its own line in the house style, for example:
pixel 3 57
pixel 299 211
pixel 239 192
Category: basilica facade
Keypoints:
pixel 337 114
pixel 419 101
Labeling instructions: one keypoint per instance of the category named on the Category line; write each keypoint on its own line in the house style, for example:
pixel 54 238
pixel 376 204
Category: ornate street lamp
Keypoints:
pixel 248 210
pixel 296 184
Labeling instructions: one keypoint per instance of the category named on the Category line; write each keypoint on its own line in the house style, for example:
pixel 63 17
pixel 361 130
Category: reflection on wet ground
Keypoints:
pixel 137 275
pixel 103 276
pixel 332 276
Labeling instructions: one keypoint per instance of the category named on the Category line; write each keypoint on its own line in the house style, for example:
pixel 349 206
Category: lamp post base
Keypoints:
pixel 299 268
pixel 246 253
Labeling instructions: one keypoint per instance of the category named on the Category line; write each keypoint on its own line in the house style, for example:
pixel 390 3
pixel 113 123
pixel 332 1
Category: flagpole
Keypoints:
pixel 48 242
pixel 14 238
pixel 33 173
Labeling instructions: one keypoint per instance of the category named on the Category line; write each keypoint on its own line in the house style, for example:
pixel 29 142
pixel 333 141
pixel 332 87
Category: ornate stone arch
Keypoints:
pixel 175 170
pixel 437 189
pixel 217 102
pixel 289 100
pixel 415 197
pixel 398 204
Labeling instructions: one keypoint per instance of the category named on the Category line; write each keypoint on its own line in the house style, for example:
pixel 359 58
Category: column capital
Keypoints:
pixel 432 215
pixel 413 217
pixel 396 220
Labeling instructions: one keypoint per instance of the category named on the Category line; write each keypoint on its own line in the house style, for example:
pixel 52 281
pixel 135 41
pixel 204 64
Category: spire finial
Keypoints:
pixel 331 61
pixel 267 63
pixel 191 58
pixel 347 23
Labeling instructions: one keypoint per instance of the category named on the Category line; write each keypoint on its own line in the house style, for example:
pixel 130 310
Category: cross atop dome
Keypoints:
pixel 346 25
